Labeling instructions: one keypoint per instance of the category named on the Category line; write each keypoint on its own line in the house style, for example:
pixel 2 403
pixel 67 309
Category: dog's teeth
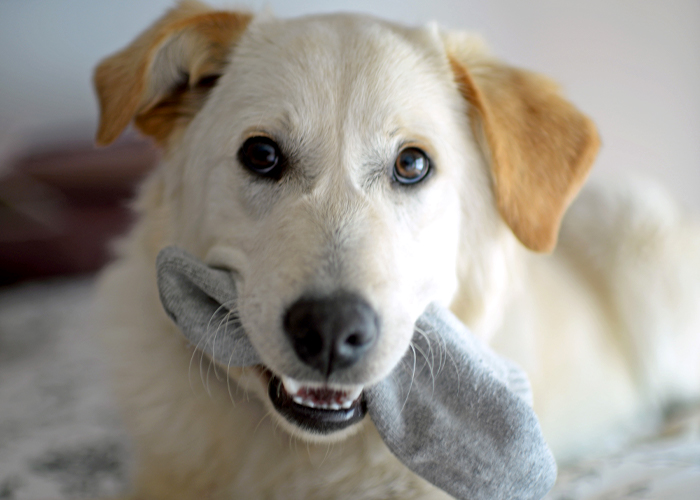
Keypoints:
pixel 290 385
pixel 353 394
pixel 298 392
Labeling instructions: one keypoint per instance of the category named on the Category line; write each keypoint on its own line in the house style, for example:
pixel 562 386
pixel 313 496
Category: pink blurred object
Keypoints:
pixel 60 206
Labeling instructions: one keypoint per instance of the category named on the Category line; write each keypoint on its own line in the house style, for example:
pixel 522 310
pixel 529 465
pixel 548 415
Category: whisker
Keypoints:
pixel 442 345
pixel 427 362
pixel 276 427
pixel 228 380
pixel 444 349
pixel 209 337
pixel 457 370
pixel 189 368
pixel 201 372
pixel 412 376
pixel 212 358
pixel 432 354
pixel 261 421
pixel 328 449
pixel 213 349
pixel 221 306
pixel 196 350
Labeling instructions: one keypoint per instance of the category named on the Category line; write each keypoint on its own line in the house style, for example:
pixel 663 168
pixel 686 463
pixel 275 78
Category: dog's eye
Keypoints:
pixel 261 155
pixel 412 165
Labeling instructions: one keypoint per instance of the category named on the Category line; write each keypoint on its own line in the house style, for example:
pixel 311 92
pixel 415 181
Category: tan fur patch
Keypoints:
pixel 174 111
pixel 540 146
pixel 141 81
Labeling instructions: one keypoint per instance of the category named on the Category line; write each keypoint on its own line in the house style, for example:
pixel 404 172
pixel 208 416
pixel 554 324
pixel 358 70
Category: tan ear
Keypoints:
pixel 539 145
pixel 161 79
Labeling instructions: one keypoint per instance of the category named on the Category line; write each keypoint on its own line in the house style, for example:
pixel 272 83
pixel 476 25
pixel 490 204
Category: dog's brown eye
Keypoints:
pixel 412 165
pixel 261 155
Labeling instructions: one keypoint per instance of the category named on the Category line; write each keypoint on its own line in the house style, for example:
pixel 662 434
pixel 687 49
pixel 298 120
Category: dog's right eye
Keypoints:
pixel 261 155
pixel 412 166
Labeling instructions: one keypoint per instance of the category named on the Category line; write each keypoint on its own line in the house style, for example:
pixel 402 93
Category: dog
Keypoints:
pixel 351 171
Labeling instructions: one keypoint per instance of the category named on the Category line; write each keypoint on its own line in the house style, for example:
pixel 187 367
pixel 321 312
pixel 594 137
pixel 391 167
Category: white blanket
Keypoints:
pixel 60 434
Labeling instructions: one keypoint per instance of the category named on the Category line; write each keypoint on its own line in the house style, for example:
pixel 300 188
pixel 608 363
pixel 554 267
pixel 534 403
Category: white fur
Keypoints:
pixel 606 327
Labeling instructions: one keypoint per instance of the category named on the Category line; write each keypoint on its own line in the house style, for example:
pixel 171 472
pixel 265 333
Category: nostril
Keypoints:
pixel 300 325
pixel 355 339
pixel 311 342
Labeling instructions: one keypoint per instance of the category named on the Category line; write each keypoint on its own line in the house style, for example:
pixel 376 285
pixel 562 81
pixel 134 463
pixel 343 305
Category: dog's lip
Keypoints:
pixel 316 408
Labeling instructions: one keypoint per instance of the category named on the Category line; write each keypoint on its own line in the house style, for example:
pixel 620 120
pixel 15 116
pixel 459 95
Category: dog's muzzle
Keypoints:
pixel 328 334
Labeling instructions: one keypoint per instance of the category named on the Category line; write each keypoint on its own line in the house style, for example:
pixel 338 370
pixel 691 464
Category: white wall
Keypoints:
pixel 633 65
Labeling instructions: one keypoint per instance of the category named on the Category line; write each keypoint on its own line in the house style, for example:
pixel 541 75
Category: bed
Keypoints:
pixel 61 436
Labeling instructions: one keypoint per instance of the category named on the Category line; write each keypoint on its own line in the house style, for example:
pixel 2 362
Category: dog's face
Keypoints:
pixel 331 162
pixel 331 188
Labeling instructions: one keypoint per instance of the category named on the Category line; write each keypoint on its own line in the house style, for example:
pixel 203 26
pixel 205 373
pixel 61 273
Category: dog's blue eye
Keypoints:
pixel 261 155
pixel 412 165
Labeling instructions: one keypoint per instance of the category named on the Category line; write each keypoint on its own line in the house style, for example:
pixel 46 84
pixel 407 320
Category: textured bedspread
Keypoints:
pixel 60 435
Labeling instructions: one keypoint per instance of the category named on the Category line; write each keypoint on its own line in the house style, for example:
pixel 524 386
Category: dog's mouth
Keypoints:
pixel 316 408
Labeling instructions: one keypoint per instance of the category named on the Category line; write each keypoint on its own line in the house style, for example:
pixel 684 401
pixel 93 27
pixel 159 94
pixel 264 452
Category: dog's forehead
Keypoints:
pixel 325 75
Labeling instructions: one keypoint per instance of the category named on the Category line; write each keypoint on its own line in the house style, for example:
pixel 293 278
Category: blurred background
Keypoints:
pixel 633 65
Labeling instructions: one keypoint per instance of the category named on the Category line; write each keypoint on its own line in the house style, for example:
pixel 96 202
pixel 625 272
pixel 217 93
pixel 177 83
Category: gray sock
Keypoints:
pixel 452 411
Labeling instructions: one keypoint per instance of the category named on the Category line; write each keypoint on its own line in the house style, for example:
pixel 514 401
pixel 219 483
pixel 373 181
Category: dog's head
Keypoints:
pixel 351 171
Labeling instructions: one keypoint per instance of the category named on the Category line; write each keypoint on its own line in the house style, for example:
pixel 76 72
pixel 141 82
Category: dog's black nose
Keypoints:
pixel 331 333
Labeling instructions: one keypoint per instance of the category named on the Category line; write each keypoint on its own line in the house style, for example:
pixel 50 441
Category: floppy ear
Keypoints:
pixel 163 77
pixel 539 145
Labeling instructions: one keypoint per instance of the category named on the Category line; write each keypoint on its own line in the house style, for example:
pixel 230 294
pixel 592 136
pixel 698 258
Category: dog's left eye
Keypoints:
pixel 261 155
pixel 412 165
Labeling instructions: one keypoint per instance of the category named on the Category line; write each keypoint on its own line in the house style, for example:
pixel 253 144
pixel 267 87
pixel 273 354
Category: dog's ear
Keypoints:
pixel 539 145
pixel 162 78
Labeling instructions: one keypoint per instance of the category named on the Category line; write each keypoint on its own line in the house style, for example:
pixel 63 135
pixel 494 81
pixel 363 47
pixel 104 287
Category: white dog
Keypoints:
pixel 351 171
